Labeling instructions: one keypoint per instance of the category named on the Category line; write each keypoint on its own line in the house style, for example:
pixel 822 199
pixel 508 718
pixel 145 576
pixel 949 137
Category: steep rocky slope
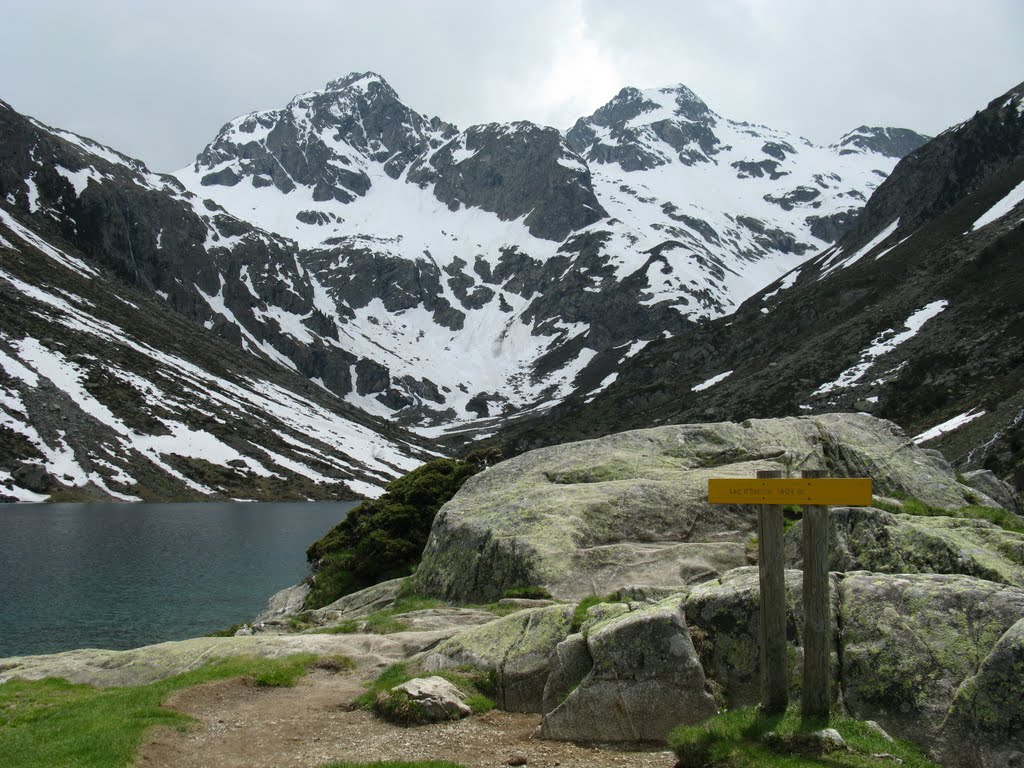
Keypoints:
pixel 916 315
pixel 110 386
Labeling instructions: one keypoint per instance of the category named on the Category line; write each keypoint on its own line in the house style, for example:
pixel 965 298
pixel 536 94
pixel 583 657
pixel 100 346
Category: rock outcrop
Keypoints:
pixel 863 538
pixel 644 678
pixel 631 508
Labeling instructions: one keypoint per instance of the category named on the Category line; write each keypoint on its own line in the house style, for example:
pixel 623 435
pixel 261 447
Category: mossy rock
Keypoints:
pixel 873 540
pixel 910 641
pixel 631 508
pixel 518 649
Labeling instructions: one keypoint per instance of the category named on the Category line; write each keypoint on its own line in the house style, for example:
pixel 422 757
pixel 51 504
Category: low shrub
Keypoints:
pixel 383 538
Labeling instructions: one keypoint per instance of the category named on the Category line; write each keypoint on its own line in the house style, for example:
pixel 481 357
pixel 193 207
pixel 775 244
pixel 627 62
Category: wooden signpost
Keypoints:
pixel 770 492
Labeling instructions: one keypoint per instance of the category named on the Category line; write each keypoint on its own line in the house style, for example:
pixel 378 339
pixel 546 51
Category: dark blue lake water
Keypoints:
pixel 125 575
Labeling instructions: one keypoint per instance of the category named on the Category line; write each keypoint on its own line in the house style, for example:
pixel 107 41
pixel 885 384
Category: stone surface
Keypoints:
pixel 985 725
pixel 645 679
pixel 283 603
pixel 909 641
pixel 359 604
pixel 518 648
pixel 1004 495
pixel 863 538
pixel 150 663
pixel 440 699
pixel 630 508
pixel 724 620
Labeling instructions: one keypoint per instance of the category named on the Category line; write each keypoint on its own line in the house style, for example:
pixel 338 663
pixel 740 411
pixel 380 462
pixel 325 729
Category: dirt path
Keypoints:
pixel 311 725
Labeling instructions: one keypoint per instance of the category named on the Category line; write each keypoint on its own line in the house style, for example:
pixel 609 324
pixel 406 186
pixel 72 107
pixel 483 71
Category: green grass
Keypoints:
pixel 911 506
pixel 48 723
pixel 579 615
pixel 527 593
pixel 741 738
pixel 479 687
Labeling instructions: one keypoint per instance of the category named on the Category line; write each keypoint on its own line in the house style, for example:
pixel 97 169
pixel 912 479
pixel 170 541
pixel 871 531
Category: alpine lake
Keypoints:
pixel 110 575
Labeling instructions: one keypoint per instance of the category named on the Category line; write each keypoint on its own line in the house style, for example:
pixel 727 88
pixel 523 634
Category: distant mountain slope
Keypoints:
pixel 503 267
pixel 916 315
pixel 106 390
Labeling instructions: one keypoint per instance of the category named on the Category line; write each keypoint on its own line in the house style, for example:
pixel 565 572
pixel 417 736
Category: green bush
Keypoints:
pixel 383 538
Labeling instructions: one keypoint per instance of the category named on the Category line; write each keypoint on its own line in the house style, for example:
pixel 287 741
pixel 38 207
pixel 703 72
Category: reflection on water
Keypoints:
pixel 124 575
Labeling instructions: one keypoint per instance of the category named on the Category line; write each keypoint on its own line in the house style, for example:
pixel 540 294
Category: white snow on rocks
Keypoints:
pixel 711 382
pixel 948 426
pixel 1014 198
pixel 885 342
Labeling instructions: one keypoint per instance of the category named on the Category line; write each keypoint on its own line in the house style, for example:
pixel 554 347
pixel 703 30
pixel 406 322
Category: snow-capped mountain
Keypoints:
pixel 916 315
pixel 363 266
pixel 107 386
pixel 498 269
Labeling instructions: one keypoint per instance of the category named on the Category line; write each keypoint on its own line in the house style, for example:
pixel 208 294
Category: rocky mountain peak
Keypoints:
pixel 889 142
pixel 361 80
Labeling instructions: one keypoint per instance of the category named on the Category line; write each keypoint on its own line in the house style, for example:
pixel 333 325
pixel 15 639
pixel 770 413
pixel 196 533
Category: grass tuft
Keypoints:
pixel 743 738
pixel 910 506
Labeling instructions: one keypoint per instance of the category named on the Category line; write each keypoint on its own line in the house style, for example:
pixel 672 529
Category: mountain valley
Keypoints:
pixel 339 289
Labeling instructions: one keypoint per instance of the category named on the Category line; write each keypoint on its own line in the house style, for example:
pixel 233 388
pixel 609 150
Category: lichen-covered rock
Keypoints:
pixel 518 649
pixel 985 725
pixel 437 698
pixel 986 482
pixel 724 620
pixel 359 604
pixel 140 666
pixel 645 679
pixel 909 641
pixel 631 508
pixel 283 603
pixel 863 538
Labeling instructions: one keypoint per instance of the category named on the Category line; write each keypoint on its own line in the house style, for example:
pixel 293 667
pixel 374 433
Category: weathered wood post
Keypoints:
pixel 772 576
pixel 770 492
pixel 815 698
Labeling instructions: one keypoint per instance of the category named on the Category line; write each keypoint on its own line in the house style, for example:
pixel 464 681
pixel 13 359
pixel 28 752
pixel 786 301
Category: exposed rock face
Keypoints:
pixel 988 483
pixel 518 649
pixel 724 618
pixel 644 679
pixel 910 641
pixel 985 722
pixel 873 540
pixel 587 518
pixel 891 142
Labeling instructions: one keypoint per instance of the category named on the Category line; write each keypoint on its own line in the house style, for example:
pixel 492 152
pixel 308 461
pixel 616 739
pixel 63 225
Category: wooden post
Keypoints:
pixel 774 672
pixel 817 685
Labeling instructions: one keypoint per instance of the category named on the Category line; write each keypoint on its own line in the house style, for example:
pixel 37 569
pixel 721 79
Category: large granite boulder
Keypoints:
pixel 644 678
pixel 631 508
pixel 867 539
pixel 724 619
pixel 910 641
pixel 518 649
pixel 985 724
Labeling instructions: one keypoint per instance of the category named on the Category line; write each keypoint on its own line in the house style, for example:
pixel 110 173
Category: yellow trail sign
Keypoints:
pixel 845 491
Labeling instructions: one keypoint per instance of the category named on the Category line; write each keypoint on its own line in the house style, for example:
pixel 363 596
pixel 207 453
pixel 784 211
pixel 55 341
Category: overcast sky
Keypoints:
pixel 156 79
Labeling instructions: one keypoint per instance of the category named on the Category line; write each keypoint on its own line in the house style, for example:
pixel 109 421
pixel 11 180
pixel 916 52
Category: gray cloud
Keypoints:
pixel 156 80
